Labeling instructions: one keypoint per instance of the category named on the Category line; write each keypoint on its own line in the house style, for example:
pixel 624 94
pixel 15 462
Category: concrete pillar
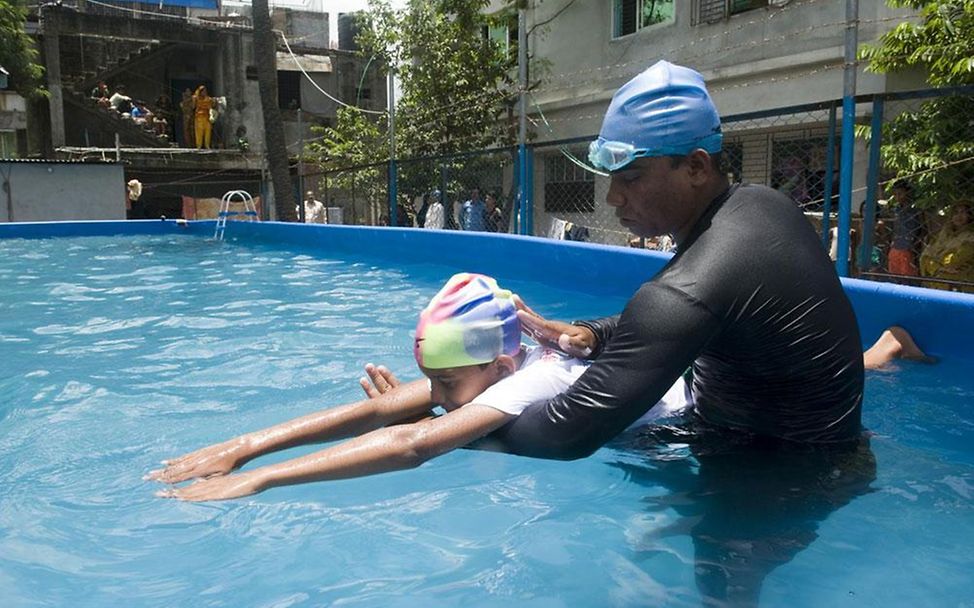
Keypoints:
pixel 230 79
pixel 52 59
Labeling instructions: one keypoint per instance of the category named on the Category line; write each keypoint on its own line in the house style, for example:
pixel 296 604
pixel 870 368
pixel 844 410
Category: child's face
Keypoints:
pixel 457 386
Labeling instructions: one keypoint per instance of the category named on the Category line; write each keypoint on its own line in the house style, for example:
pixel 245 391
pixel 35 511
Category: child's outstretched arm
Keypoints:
pixel 406 401
pixel 388 449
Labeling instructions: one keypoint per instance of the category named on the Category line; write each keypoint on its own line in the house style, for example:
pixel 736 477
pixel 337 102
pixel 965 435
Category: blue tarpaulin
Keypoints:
pixel 214 4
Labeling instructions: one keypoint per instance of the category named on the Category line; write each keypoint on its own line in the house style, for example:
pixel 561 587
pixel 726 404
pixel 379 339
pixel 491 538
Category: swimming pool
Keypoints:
pixel 121 351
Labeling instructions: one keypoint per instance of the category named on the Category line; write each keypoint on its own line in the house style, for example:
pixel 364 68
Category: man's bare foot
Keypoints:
pixel 894 343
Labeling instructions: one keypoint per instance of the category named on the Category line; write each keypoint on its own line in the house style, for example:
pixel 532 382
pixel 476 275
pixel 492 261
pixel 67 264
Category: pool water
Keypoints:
pixel 118 352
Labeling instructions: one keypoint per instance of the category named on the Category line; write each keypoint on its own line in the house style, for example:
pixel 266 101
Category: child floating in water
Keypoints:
pixel 467 344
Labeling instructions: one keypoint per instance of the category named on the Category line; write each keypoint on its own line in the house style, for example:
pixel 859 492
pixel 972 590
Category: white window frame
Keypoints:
pixel 616 13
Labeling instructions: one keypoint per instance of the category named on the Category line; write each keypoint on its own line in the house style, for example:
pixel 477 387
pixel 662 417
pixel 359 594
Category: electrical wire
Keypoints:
pixel 315 84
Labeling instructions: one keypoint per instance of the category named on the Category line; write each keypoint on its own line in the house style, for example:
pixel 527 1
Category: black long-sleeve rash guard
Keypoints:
pixel 752 302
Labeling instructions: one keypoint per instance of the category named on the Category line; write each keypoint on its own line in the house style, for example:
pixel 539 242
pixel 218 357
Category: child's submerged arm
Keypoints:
pixel 387 449
pixel 406 401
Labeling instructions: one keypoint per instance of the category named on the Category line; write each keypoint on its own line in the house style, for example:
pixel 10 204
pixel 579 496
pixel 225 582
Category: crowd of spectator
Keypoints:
pixel 197 113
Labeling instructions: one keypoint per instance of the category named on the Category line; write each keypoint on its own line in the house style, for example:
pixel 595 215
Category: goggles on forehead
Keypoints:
pixel 614 155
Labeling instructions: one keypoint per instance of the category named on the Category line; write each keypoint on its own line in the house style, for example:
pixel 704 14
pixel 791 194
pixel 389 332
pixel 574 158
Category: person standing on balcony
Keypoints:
pixel 202 103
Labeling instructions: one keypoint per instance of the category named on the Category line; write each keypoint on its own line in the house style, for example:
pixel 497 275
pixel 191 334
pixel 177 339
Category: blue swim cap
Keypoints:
pixel 666 111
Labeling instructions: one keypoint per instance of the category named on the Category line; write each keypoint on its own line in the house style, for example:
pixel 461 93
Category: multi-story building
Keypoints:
pixel 756 55
pixel 162 49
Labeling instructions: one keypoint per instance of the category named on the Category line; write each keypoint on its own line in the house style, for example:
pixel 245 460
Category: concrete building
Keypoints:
pixel 163 49
pixel 754 54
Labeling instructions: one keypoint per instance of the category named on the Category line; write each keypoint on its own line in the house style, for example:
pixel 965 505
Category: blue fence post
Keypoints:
pixel 872 184
pixel 529 190
pixel 845 184
pixel 393 192
pixel 829 178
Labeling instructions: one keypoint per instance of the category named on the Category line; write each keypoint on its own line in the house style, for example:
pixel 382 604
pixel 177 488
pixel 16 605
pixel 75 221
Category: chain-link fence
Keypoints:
pixel 922 226
pixel 920 233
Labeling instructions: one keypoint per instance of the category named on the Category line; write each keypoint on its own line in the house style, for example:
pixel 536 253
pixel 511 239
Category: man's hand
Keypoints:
pixel 217 459
pixel 216 488
pixel 571 339
pixel 379 381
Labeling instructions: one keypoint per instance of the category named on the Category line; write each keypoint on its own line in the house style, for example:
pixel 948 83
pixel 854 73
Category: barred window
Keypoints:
pixel 568 188
pixel 710 11
pixel 630 16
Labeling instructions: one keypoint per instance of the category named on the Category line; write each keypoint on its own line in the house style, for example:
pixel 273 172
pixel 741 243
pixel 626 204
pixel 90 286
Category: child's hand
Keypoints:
pixel 217 459
pixel 379 381
pixel 216 488
pixel 573 340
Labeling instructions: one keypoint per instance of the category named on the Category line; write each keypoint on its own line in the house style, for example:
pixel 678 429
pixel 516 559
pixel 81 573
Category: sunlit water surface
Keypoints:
pixel 118 352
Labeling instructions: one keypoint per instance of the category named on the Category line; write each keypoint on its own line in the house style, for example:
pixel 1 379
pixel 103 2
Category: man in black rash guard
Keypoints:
pixel 750 301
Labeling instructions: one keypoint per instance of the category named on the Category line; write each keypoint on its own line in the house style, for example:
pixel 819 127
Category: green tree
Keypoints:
pixel 933 144
pixel 17 52
pixel 353 153
pixel 457 83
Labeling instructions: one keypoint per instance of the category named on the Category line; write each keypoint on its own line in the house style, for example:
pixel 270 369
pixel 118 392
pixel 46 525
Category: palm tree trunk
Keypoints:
pixel 265 49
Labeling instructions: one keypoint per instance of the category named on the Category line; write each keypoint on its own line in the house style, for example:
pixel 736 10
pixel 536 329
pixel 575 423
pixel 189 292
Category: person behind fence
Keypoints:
pixel 314 210
pixel 472 212
pixel 493 216
pixel 434 213
pixel 950 255
pixel 467 343
pixel 907 227
pixel 768 332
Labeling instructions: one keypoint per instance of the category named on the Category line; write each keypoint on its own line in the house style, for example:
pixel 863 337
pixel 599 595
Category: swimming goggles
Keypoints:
pixel 614 155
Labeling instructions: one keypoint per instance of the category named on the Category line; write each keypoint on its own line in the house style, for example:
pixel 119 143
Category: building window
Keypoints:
pixel 630 16
pixel 711 11
pixel 568 188
pixel 289 90
pixel 502 32
pixel 8 144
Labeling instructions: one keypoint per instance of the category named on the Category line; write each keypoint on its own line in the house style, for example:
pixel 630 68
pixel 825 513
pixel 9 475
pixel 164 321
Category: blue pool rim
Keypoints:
pixel 942 322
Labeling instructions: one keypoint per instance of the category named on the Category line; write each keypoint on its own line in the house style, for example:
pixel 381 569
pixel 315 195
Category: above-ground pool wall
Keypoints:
pixel 942 322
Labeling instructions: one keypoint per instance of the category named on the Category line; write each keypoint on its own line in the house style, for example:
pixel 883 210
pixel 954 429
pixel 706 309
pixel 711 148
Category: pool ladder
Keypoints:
pixel 231 197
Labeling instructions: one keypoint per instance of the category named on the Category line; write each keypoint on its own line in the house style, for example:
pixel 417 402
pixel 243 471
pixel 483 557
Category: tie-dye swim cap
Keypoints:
pixel 470 321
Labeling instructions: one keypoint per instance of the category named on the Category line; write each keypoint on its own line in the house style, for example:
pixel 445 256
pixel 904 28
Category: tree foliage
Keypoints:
pixel 356 147
pixel 456 82
pixel 934 144
pixel 17 52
